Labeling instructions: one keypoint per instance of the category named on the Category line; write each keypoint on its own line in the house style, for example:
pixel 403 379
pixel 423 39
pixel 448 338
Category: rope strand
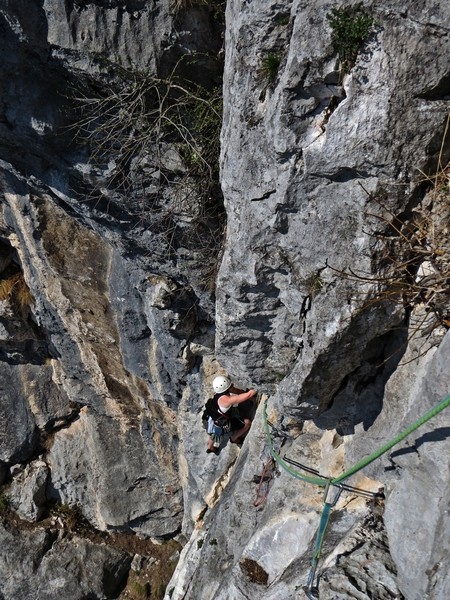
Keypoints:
pixel 444 403
pixel 311 591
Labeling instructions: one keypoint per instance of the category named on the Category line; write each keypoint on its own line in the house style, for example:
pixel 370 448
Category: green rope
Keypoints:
pixel 315 480
pixel 401 436
pixel 320 535
pixel 322 482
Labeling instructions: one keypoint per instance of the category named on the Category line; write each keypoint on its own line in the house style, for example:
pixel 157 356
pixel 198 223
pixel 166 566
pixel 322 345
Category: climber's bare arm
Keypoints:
pixel 227 401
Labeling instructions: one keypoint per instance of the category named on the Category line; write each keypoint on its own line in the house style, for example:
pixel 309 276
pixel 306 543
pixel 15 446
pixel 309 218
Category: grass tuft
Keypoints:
pixel 270 65
pixel 14 289
pixel 350 28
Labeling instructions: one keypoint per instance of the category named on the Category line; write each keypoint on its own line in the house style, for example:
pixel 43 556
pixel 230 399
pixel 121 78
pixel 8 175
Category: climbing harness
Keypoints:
pixel 334 486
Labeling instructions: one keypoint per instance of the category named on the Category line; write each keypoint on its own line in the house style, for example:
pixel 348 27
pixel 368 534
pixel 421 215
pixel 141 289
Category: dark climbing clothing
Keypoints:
pixel 229 421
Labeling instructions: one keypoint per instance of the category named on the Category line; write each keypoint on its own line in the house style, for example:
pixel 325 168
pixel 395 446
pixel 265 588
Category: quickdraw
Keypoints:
pixel 264 482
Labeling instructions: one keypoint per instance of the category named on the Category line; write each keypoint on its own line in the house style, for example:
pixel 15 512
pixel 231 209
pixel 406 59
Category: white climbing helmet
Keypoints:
pixel 221 384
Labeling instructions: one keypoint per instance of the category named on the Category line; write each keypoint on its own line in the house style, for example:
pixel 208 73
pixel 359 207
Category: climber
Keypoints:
pixel 230 410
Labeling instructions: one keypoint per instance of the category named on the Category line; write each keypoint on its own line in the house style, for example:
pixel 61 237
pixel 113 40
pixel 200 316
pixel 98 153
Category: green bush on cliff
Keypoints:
pixel 270 65
pixel 350 27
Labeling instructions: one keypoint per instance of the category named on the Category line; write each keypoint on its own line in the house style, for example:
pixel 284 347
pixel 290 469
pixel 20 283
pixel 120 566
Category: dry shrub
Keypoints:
pixel 254 571
pixel 151 581
pixel 139 116
pixel 155 141
pixel 411 256
pixel 14 289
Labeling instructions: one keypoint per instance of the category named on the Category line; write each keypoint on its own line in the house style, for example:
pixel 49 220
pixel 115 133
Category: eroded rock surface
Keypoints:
pixel 110 332
pixel 307 158
pixel 46 567
pixel 96 352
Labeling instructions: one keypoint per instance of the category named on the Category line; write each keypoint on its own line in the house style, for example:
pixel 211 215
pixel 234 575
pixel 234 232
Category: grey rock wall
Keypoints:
pixel 295 201
pixel 47 567
pixel 105 370
pixel 304 159
pixel 94 366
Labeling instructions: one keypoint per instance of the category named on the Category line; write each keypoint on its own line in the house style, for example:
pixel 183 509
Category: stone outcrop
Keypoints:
pixel 115 314
pixel 27 494
pixel 95 355
pixel 48 567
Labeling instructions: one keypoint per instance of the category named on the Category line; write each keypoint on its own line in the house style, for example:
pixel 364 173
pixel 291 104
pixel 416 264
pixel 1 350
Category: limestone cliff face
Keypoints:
pixel 110 334
pixel 314 165
pixel 100 314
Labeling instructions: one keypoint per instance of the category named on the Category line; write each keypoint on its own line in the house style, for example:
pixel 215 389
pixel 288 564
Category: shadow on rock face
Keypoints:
pixel 359 398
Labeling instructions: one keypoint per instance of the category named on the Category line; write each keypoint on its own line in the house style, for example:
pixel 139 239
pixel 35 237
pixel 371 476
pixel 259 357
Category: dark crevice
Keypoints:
pixel 33 352
pixel 359 398
pixel 414 201
pixel 353 582
pixel 264 196
pixel 343 175
pixel 332 105
pixel 23 341
pixel 58 423
pixel 51 536
pixel 438 151
pixel 441 91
